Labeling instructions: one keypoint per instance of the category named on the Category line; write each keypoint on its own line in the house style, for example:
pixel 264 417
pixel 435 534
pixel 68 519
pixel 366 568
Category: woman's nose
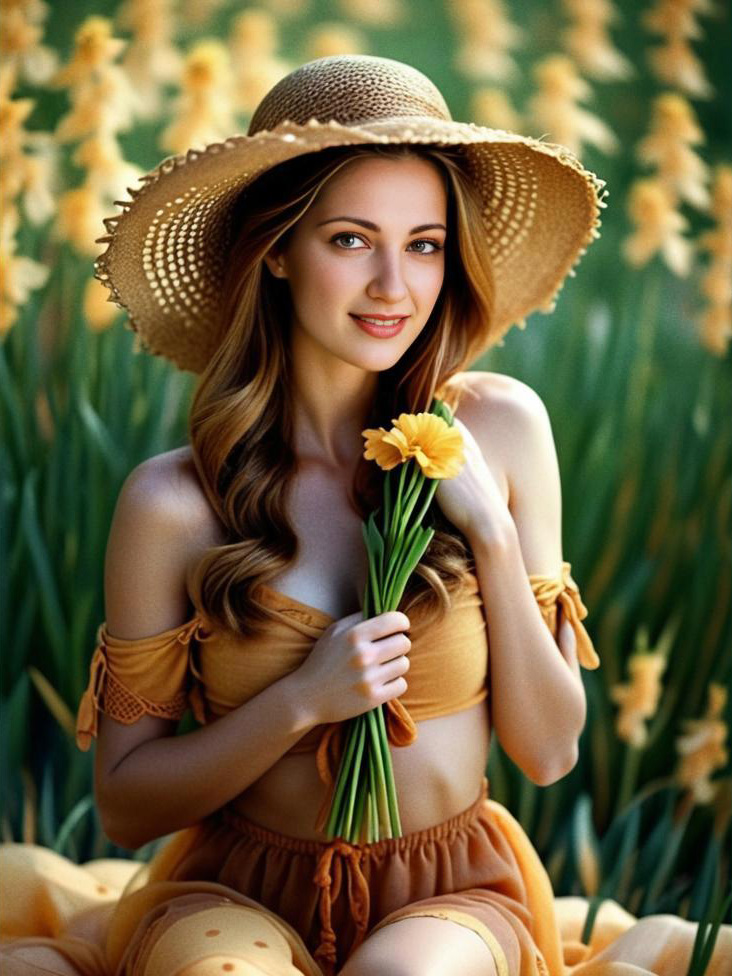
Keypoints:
pixel 388 282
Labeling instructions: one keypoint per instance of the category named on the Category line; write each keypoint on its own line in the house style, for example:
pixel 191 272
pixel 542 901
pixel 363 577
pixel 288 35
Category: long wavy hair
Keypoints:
pixel 241 419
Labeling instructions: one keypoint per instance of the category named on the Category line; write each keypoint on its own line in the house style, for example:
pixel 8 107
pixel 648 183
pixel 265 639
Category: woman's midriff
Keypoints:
pixel 437 777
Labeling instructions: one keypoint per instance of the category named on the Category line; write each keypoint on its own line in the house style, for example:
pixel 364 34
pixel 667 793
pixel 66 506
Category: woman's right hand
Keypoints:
pixel 356 665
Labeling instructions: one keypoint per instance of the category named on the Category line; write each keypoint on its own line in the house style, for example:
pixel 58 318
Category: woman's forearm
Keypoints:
pixel 537 702
pixel 168 783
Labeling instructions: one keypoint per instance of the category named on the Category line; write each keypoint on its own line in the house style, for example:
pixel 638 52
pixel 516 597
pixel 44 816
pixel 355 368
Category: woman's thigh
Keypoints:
pixel 422 947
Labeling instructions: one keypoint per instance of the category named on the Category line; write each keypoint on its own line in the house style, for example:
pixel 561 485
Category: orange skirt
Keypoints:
pixel 324 897
pixel 334 893
pixel 230 896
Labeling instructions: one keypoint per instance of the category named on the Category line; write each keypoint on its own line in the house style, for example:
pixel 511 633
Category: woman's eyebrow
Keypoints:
pixel 371 226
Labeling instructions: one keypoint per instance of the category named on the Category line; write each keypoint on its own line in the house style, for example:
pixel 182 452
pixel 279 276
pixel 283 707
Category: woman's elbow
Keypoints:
pixel 119 822
pixel 556 770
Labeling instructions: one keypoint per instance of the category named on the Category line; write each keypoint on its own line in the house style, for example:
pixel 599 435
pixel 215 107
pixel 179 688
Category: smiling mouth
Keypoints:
pixel 376 320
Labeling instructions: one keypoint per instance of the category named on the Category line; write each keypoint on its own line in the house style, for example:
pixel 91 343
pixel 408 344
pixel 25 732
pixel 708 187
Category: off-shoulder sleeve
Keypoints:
pixel 132 678
pixel 551 592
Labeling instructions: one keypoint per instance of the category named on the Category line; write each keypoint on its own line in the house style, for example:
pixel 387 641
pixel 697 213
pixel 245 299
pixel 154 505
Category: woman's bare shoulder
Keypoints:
pixel 483 383
pixel 169 487
pixel 162 524
pixel 494 402
pixel 502 413
pixel 173 477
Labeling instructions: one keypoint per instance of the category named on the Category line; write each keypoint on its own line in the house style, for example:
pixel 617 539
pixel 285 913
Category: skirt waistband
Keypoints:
pixel 303 845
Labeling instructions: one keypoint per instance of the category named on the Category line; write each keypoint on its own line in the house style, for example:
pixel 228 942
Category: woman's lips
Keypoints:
pixel 380 331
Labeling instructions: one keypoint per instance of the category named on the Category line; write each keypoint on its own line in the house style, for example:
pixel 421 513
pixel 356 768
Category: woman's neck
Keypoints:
pixel 329 413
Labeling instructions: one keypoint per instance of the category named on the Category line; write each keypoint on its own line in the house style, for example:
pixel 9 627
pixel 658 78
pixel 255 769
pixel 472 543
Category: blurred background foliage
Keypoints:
pixel 634 367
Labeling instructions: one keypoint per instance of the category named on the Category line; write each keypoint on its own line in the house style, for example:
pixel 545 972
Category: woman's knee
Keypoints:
pixel 422 946
pixel 202 936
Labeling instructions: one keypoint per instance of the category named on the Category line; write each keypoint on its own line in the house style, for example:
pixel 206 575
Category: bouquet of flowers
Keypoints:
pixel 426 448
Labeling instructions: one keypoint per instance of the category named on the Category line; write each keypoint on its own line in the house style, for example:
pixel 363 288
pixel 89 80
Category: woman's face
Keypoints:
pixel 371 244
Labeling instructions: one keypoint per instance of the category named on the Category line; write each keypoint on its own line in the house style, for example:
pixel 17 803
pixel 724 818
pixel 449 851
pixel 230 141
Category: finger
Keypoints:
pixel 385 624
pixel 394 669
pixel 394 646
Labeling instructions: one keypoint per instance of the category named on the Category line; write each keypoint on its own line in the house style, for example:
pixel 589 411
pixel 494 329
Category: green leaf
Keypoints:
pixel 99 436
pixel 376 544
pixel 707 933
pixel 586 846
pixel 617 879
pixel 423 539
pixel 77 813
pixel 373 582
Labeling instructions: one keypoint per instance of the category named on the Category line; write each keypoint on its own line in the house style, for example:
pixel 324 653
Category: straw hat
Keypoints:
pixel 166 252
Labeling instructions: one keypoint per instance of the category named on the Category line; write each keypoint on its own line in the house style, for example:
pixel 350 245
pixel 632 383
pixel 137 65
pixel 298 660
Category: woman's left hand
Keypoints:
pixel 472 500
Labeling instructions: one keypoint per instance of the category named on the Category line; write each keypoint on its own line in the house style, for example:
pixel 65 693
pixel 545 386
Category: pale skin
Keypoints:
pixel 508 503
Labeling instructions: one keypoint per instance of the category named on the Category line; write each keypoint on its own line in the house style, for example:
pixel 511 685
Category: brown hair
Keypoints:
pixel 241 423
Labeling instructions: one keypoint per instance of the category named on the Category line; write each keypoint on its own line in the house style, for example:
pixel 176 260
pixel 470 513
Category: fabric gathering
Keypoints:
pixel 229 895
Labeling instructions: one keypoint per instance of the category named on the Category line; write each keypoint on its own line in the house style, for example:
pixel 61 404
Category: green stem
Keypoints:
pixel 375 588
pixel 361 793
pixel 417 479
pixel 394 822
pixel 354 778
pixel 372 797
pixel 387 500
pixel 395 555
pixel 377 753
pixel 407 540
pixel 395 516
pixel 412 558
pixel 432 488
pixel 341 780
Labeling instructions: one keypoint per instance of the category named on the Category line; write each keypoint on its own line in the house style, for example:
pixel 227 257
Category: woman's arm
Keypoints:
pixel 148 781
pixel 538 705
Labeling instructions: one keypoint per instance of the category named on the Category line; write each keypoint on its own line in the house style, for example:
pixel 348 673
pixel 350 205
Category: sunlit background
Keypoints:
pixel 634 367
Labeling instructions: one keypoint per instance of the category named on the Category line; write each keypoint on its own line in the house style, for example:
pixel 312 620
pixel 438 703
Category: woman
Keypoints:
pixel 319 293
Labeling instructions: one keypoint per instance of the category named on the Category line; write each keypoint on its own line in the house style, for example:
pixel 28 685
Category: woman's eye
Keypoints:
pixel 421 246
pixel 352 237
pixel 433 244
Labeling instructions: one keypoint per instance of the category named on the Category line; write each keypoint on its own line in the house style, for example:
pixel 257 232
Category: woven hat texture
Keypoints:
pixel 166 252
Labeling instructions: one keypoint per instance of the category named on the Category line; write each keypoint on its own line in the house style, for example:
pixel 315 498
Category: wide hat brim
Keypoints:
pixel 166 252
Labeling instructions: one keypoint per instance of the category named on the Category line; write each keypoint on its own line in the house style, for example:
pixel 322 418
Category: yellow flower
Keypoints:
pixel 80 215
pixel 204 112
pixel 492 107
pixel 331 38
pixel 674 130
pixel 375 13
pixel 702 749
pixel 715 326
pixel 431 441
pixel 638 698
pixel 715 322
pixel 554 112
pixel 588 40
pixel 94 49
pixel 658 227
pixel 99 312
pixel 487 36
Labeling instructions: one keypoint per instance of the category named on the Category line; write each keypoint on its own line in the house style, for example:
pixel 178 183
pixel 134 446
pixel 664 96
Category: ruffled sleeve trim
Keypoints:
pixel 132 678
pixel 552 592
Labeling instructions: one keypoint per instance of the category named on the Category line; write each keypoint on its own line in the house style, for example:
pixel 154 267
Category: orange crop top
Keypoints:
pixel 212 671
